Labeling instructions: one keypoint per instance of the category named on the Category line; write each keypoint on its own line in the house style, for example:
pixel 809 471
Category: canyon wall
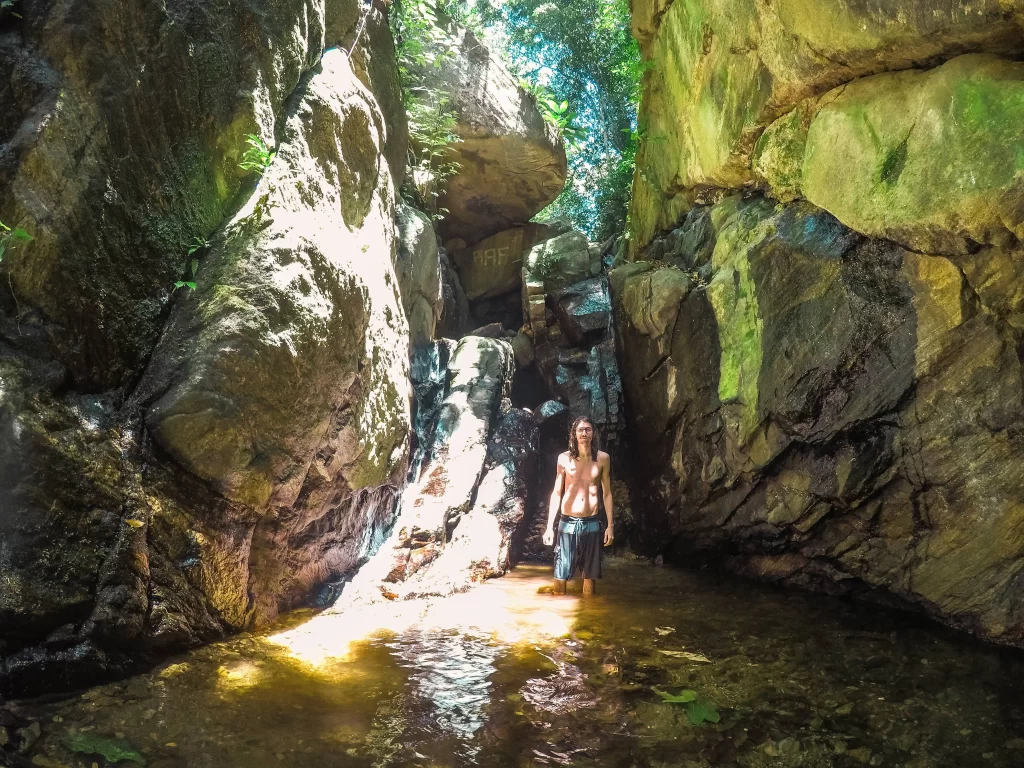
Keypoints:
pixel 820 319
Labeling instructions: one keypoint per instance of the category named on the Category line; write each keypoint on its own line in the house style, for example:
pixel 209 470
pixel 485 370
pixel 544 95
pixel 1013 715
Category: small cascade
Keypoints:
pixel 429 373
pixel 459 516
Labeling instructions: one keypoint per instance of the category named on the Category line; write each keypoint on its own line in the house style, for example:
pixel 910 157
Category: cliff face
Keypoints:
pixel 820 330
pixel 178 463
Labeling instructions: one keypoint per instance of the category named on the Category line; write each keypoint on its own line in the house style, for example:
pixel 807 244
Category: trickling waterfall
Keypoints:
pixel 429 372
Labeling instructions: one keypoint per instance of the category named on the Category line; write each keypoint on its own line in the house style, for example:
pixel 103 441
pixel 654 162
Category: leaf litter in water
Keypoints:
pixel 697 710
pixel 113 750
pixel 686 655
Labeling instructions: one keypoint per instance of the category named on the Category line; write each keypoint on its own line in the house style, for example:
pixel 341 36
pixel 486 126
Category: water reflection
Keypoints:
pixel 450 676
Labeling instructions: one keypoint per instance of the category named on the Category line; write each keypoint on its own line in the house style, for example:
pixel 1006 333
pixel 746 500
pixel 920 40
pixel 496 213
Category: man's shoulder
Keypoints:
pixel 563 456
pixel 603 458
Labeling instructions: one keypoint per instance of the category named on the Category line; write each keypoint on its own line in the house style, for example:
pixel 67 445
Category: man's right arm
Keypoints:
pixel 554 503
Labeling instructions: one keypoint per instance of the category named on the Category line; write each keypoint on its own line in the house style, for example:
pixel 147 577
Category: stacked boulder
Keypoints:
pixel 821 328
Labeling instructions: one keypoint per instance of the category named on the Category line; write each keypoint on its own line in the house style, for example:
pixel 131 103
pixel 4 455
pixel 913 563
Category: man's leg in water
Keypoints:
pixel 590 558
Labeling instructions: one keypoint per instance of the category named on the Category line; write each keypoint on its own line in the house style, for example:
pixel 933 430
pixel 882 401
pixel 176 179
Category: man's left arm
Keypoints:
pixel 606 487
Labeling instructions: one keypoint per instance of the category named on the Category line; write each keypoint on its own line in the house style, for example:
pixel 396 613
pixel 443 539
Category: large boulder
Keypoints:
pixel 116 163
pixel 494 266
pixel 511 162
pixel 120 544
pixel 259 374
pixel 829 412
pixel 726 69
pixel 561 261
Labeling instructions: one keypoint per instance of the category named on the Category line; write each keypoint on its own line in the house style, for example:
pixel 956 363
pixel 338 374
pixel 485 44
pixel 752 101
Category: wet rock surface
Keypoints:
pixel 459 517
pixel 504 676
pixel 793 396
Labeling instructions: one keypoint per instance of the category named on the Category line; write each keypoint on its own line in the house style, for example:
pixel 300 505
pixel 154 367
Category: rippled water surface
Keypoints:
pixel 504 676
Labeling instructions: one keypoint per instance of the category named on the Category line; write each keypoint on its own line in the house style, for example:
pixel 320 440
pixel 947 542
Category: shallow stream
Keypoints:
pixel 505 676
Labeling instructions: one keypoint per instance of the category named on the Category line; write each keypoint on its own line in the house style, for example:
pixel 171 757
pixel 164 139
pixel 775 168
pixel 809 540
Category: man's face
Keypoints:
pixel 584 433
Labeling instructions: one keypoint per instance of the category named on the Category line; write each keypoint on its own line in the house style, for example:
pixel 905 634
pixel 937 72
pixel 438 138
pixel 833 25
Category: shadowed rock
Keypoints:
pixel 829 412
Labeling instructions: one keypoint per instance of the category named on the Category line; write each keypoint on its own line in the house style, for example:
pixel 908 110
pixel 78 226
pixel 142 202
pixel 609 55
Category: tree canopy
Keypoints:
pixel 580 61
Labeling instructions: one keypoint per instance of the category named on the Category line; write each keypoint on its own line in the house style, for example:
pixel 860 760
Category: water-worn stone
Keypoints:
pixel 725 69
pixel 479 379
pixel 796 414
pixel 512 162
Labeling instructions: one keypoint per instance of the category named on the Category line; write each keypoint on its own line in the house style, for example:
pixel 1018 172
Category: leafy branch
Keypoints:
pixel 10 237
pixel 198 244
pixel 432 122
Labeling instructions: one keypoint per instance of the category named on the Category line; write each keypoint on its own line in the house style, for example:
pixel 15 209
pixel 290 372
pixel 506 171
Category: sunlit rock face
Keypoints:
pixel 420 267
pixel 929 159
pixel 463 509
pixel 726 69
pixel 829 411
pixel 155 496
pixel 511 162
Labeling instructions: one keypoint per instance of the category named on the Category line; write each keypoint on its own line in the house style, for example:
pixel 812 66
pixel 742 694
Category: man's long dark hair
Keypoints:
pixel 574 446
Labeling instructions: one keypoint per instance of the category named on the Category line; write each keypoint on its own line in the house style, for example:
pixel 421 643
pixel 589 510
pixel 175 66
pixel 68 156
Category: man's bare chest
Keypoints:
pixel 582 474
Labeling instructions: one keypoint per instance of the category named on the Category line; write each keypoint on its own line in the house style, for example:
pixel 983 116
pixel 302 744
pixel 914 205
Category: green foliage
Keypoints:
pixel 432 132
pixel 421 45
pixel 7 9
pixel 198 244
pixel 698 710
pixel 555 112
pixel 257 157
pixel 112 750
pixel 10 237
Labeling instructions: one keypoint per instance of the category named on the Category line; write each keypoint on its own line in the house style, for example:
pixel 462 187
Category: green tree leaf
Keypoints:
pixel 683 697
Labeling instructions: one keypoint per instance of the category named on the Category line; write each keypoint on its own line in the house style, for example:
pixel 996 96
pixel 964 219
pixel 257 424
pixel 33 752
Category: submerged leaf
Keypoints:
pixel 686 655
pixel 698 712
pixel 134 523
pixel 683 697
pixel 113 750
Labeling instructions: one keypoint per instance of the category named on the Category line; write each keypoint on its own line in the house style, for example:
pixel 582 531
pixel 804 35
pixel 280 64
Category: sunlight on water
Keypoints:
pixel 506 610
pixel 503 676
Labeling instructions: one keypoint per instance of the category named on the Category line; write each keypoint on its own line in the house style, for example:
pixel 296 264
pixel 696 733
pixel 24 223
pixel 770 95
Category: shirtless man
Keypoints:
pixel 577 478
